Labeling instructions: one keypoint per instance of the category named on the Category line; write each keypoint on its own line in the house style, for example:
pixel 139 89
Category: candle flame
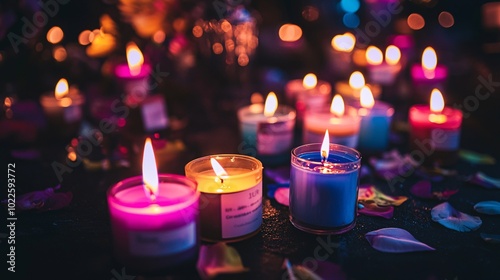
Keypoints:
pixel 134 59
pixel 344 43
pixel 325 147
pixel 337 108
pixel 271 104
pixel 392 55
pixel 429 59
pixel 374 55
pixel 437 101
pixel 219 171
pixel 149 171
pixel 366 98
pixel 62 89
pixel 290 32
pixel 356 80
pixel 310 81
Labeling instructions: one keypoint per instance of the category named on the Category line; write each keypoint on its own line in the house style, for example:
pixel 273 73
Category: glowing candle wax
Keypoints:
pixel 154 218
pixel 324 187
pixel 375 123
pixel 383 72
pixel 267 130
pixel 429 74
pixel 307 93
pixel 133 76
pixel 350 90
pixel 231 196
pixel 342 121
pixel 435 131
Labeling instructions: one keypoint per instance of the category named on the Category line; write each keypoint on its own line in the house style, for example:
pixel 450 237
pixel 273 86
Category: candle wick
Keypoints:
pixel 323 157
pixel 152 195
pixel 221 180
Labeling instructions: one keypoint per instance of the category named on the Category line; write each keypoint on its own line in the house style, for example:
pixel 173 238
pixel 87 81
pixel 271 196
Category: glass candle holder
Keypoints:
pixel 323 195
pixel 151 236
pixel 230 204
pixel 375 127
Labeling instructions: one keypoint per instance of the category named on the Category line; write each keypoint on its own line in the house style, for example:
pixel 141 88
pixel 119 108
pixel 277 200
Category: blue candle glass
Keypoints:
pixel 323 194
pixel 375 127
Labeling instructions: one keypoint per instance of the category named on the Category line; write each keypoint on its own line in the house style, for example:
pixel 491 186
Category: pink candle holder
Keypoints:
pixel 135 86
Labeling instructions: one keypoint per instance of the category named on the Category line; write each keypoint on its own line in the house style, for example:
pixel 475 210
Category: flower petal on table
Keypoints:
pixel 395 240
pixel 453 219
pixel 391 164
pixel 44 200
pixel 271 188
pixel 369 193
pixel 324 270
pixel 491 238
pixel 485 181
pixel 282 196
pixel 372 209
pixel 488 207
pixel 476 158
pixel 423 189
pixel 218 259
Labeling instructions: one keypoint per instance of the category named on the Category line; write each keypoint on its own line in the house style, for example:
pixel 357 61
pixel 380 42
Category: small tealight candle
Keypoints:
pixel 231 196
pixel 267 130
pixel 324 187
pixel 381 72
pixel 340 52
pixel 351 89
pixel 63 108
pixel 429 74
pixel 375 125
pixel 342 121
pixel 307 93
pixel 154 218
pixel 435 131
pixel 133 76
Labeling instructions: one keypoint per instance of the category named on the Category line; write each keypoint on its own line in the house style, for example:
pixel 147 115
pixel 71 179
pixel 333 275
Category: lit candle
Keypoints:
pixel 375 125
pixel 63 107
pixel 435 131
pixel 324 187
pixel 351 89
pixel 133 76
pixel 429 74
pixel 267 130
pixel 342 121
pixel 231 196
pixel 340 53
pixel 307 93
pixel 380 71
pixel 154 218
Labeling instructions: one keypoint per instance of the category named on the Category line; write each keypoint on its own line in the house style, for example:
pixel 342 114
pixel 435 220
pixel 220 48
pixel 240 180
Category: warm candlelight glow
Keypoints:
pixel 366 98
pixel 290 32
pixel 357 80
pixel 325 147
pixel 149 171
pixel 392 55
pixel 343 43
pixel 429 59
pixel 55 35
pixel 134 59
pixel 374 55
pixel 337 108
pixel 271 104
pixel 61 89
pixel 310 81
pixel 437 101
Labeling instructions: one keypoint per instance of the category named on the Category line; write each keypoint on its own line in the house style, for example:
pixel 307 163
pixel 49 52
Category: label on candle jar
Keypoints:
pixel 445 139
pixel 241 212
pixel 274 138
pixel 154 114
pixel 136 91
pixel 72 114
pixel 161 243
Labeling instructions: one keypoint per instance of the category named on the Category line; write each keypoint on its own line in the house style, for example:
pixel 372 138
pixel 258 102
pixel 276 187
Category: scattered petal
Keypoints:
pixel 485 181
pixel 476 158
pixel 488 207
pixel 491 238
pixel 324 270
pixel 372 209
pixel 44 200
pixel 423 189
pixel 368 193
pixel 395 240
pixel 282 195
pixel 218 259
pixel 453 219
pixel 392 164
pixel 271 188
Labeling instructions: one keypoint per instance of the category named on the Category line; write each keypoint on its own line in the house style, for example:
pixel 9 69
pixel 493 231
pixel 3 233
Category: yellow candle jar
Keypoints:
pixel 231 195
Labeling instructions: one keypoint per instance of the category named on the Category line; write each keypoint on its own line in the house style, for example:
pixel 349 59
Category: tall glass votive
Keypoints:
pixel 323 195
pixel 231 196
pixel 155 235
